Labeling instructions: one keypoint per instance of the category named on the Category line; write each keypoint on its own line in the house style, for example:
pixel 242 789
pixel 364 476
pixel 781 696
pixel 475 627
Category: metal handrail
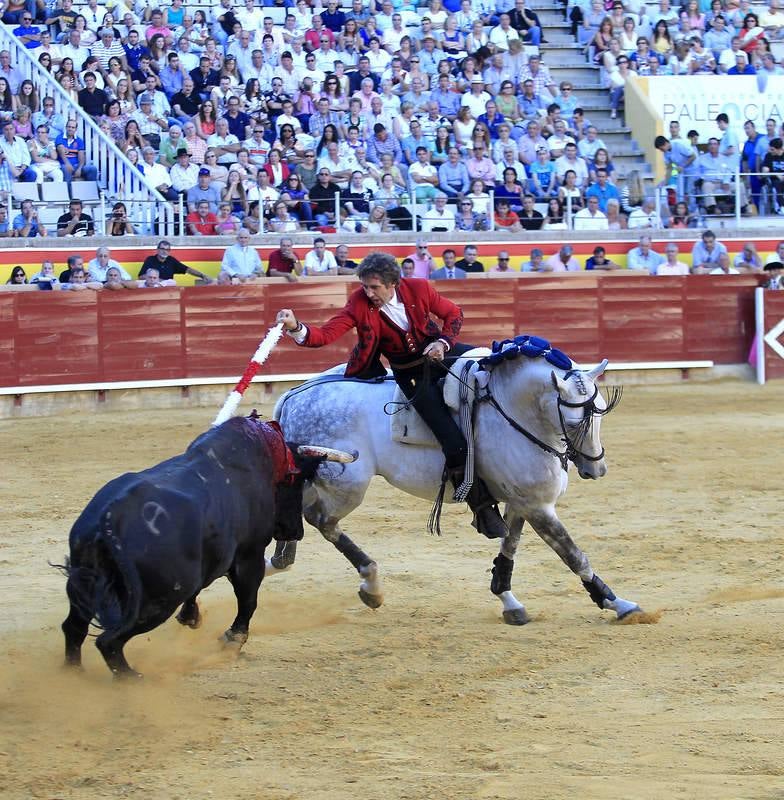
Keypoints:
pixel 116 173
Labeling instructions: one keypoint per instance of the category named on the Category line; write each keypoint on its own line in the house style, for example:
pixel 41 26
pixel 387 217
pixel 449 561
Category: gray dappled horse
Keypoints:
pixel 533 420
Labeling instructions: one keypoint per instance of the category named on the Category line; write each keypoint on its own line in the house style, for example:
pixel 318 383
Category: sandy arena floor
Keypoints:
pixel 431 696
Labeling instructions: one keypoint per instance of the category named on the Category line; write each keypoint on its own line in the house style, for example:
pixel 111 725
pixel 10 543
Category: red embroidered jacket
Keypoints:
pixel 378 336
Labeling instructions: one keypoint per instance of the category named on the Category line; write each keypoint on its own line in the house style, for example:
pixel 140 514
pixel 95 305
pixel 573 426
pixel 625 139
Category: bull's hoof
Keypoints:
pixel 233 638
pixel 371 600
pixel 516 616
pixel 126 674
pixel 190 622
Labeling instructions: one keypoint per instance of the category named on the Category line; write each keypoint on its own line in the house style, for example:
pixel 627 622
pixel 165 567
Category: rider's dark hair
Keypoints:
pixel 381 264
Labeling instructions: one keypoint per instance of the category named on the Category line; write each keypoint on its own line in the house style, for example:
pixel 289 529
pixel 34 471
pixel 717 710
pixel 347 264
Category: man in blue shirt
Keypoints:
pixel 706 252
pixel 134 50
pixel 70 148
pixel 26 224
pixel 683 157
pixel 27 33
pixel 453 177
pixel 448 101
pixel 603 190
pixel 644 259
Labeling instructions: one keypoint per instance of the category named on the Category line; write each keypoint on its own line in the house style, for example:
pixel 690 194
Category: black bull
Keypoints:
pixel 152 540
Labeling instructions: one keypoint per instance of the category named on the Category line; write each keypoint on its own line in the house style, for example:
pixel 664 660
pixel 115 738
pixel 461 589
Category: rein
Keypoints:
pixel 571 452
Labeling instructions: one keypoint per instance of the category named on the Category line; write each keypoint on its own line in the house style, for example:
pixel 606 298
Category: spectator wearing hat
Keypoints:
pixel 562 261
pixel 183 174
pixel 774 270
pixel 160 103
pixel 167 265
pixel 477 98
pixel 203 190
pixel 150 124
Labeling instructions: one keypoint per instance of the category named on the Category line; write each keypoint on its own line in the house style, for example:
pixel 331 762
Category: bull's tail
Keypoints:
pixel 104 586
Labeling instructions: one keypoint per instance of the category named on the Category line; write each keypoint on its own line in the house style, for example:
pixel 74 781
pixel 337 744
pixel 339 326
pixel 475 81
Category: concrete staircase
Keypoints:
pixel 566 61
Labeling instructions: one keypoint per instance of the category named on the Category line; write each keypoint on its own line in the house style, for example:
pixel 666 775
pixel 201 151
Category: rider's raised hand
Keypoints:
pixel 286 316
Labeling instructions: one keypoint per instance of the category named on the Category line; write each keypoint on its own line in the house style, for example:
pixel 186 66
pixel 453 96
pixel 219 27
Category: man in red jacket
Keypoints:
pixel 392 318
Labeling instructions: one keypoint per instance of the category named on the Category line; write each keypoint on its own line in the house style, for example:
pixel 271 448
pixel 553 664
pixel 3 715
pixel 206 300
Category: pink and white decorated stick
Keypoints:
pixel 259 357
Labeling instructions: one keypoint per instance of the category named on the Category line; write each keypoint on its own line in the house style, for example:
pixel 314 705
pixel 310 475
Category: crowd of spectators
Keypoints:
pixel 242 263
pixel 443 107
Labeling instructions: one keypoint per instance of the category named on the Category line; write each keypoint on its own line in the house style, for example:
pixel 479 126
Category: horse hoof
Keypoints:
pixel 629 612
pixel 370 600
pixel 516 616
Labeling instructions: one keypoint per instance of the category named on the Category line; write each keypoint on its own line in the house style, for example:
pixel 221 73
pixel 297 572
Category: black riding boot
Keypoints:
pixel 487 518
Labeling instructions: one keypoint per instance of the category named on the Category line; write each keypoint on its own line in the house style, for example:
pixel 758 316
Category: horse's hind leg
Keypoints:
pixel 552 531
pixel 514 612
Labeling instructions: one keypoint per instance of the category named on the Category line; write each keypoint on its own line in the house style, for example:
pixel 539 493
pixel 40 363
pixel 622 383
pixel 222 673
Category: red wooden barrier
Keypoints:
pixel 88 337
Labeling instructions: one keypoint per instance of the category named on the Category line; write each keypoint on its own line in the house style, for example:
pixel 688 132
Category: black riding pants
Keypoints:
pixel 420 385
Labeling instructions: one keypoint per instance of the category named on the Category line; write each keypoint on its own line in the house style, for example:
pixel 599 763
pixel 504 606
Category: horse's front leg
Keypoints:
pixel 371 592
pixel 552 531
pixel 514 612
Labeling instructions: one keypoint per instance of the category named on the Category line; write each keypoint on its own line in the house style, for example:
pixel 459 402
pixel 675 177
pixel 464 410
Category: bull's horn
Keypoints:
pixel 594 373
pixel 314 451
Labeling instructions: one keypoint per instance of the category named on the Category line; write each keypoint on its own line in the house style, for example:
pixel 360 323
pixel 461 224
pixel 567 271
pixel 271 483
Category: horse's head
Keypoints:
pixel 581 407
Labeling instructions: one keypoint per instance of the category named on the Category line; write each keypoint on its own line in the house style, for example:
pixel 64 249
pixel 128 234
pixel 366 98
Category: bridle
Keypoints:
pixel 571 451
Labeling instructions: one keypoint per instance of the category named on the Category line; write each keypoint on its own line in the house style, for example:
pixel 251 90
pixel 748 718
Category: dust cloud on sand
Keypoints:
pixel 430 696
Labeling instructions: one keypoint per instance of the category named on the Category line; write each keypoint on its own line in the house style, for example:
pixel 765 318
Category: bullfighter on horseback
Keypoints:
pixel 393 318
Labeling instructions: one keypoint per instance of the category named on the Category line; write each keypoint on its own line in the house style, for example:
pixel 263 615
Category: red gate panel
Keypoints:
pixel 222 327
pixel 57 337
pixel 140 334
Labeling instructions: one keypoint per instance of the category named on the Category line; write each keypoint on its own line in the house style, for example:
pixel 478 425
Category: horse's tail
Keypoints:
pixel 103 584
